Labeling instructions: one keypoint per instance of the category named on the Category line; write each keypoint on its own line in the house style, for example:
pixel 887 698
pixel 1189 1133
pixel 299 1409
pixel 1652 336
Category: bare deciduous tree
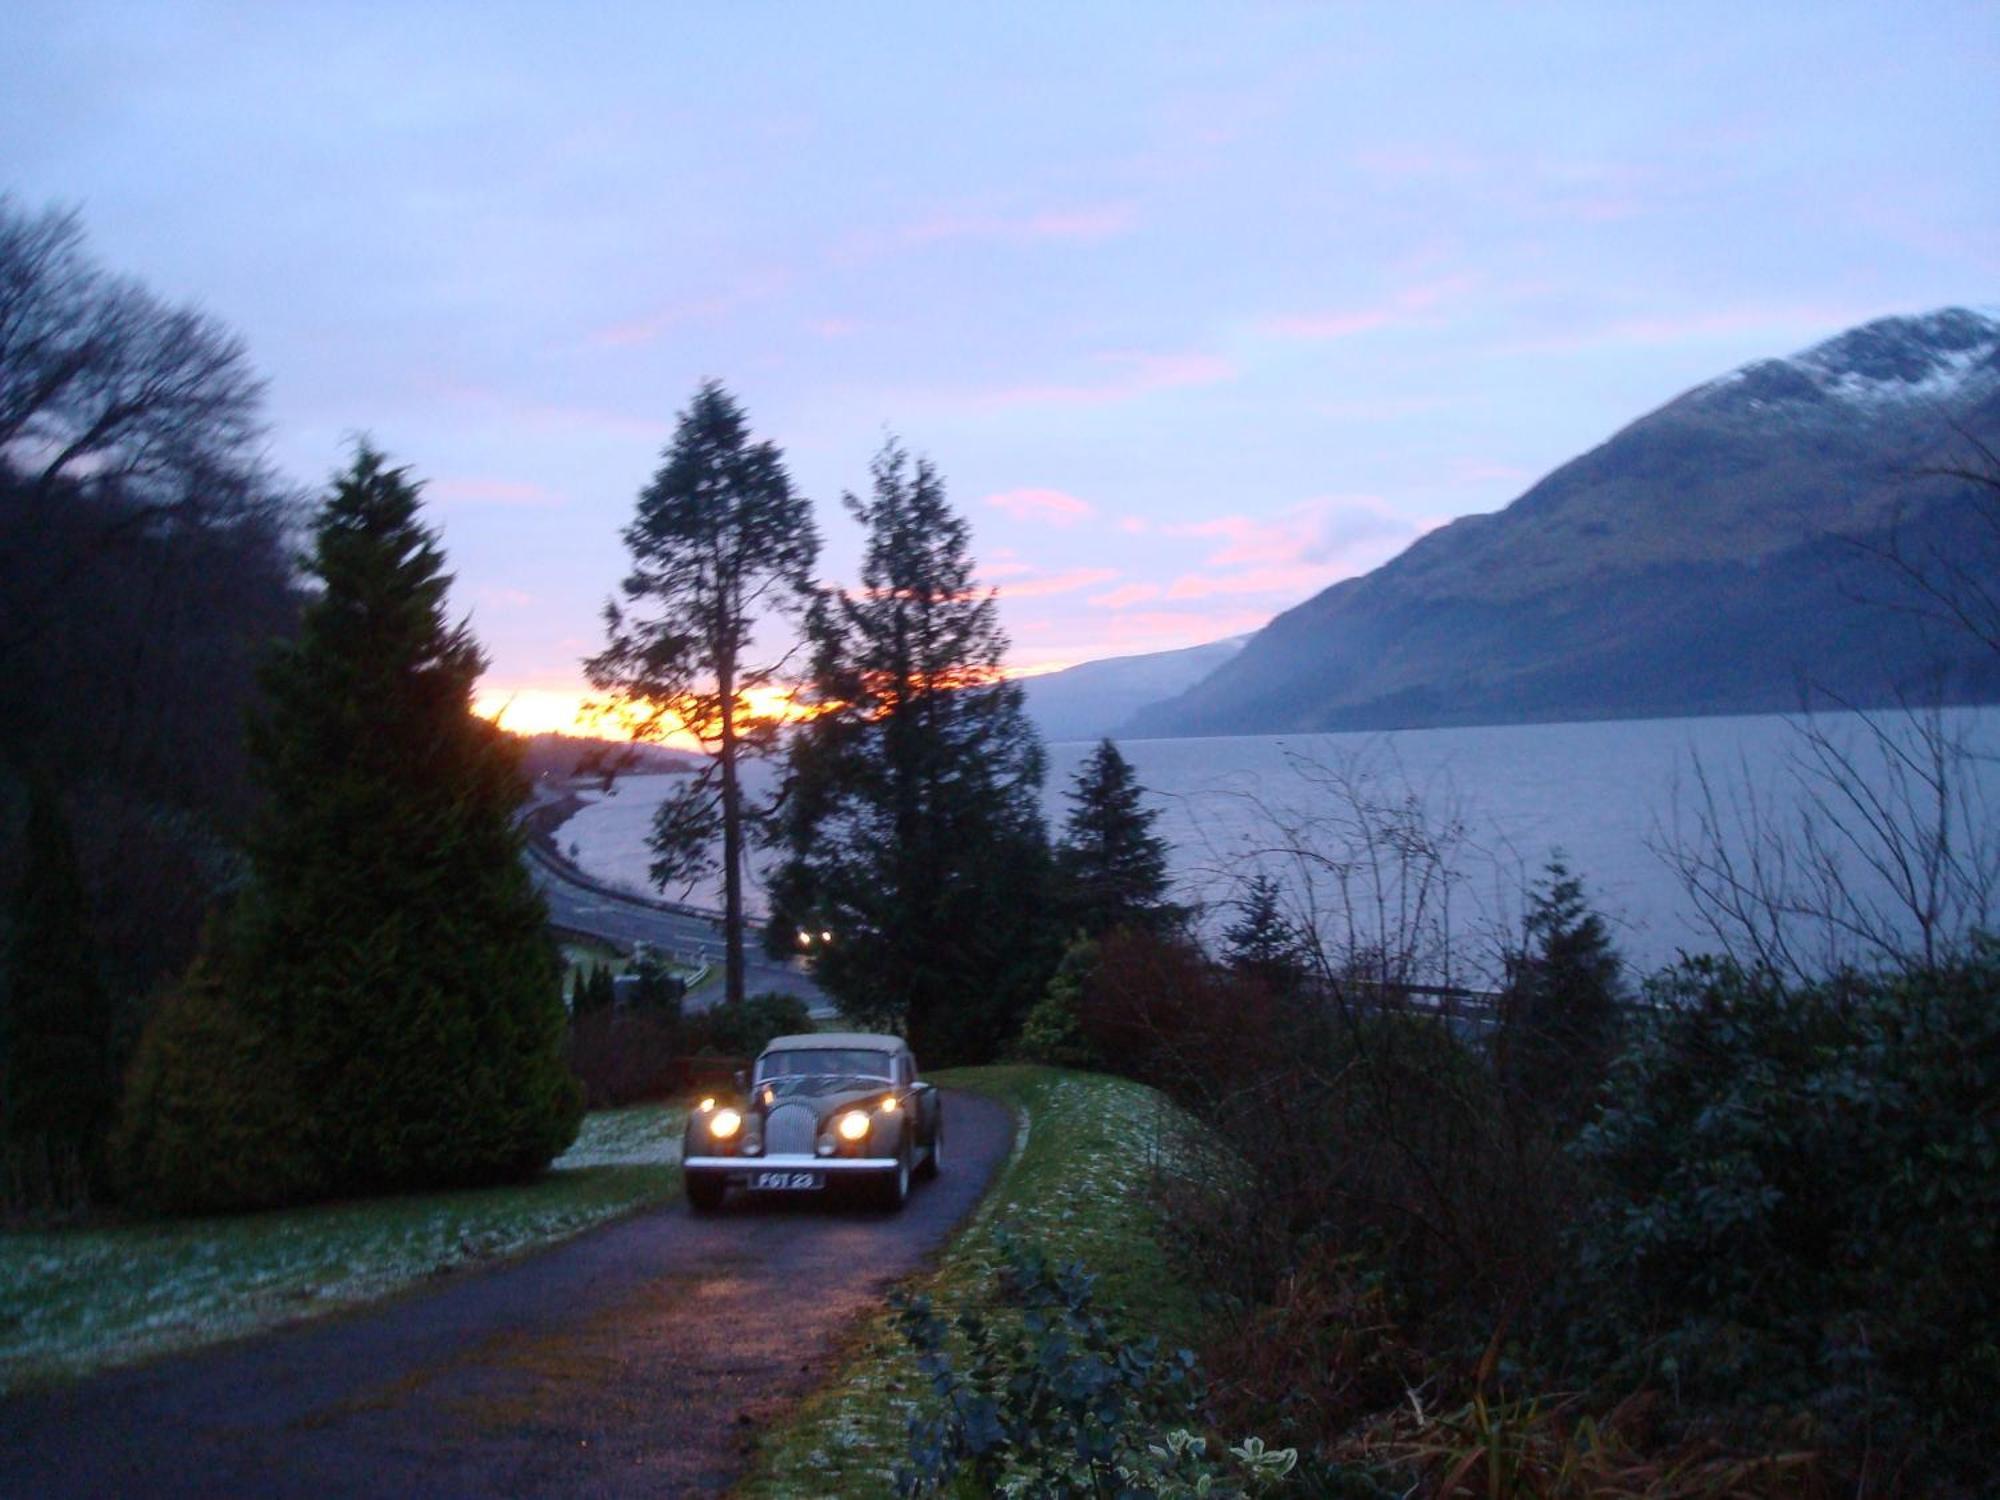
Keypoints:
pixel 100 378
pixel 1878 843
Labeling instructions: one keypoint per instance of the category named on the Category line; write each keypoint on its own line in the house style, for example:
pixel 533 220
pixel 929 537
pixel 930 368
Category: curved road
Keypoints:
pixel 639 1359
pixel 583 905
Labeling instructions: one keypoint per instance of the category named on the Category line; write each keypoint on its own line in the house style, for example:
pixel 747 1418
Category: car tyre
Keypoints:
pixel 705 1191
pixel 933 1158
pixel 895 1186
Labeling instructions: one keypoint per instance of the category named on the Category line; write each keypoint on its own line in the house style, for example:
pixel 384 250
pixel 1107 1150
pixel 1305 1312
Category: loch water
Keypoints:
pixel 1610 796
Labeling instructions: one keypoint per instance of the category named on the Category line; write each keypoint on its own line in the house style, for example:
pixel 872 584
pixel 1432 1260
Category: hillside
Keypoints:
pixel 1088 701
pixel 1711 557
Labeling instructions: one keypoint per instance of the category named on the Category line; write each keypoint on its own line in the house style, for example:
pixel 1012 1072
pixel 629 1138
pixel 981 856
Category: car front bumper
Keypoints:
pixel 841 1166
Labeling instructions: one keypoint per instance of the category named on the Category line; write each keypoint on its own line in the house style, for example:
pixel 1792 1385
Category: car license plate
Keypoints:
pixel 786 1182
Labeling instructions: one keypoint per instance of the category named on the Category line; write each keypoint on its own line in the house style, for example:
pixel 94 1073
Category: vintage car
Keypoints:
pixel 817 1113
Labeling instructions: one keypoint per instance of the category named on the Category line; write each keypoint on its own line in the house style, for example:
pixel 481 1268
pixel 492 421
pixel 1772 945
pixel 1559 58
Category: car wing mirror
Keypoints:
pixel 742 1081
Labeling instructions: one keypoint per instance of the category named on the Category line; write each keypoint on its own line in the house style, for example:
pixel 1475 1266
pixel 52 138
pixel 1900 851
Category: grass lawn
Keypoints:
pixel 76 1300
pixel 1083 1150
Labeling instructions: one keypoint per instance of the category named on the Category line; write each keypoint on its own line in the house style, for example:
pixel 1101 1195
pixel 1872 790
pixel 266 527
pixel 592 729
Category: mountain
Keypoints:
pixel 1088 701
pixel 1712 557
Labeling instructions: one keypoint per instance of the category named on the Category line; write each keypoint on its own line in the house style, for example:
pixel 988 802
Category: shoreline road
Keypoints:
pixel 581 905
pixel 639 1359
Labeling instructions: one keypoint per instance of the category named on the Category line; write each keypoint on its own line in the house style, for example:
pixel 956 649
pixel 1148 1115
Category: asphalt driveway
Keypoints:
pixel 639 1359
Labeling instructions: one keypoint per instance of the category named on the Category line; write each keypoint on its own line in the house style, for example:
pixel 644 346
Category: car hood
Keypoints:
pixel 828 1101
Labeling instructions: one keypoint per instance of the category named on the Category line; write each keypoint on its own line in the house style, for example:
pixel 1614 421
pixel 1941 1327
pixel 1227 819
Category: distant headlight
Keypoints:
pixel 853 1125
pixel 724 1123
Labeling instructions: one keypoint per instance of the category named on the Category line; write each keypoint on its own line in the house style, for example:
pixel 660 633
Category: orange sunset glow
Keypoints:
pixel 575 711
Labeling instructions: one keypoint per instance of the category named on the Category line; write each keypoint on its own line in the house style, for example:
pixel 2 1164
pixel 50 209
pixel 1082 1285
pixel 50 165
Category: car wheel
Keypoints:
pixel 933 1158
pixel 704 1191
pixel 895 1186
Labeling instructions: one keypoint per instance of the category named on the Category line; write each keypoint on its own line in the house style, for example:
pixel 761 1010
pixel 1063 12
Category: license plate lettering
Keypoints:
pixel 786 1181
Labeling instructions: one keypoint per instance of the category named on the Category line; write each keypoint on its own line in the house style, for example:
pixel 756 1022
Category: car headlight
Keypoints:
pixel 724 1123
pixel 853 1125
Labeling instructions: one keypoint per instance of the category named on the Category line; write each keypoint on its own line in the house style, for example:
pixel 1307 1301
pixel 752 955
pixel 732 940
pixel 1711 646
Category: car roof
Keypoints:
pixel 871 1041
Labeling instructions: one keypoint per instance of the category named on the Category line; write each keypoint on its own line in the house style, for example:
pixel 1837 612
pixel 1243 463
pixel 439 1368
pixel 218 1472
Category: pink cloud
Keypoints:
pixel 835 328
pixel 1134 525
pixel 1052 507
pixel 1290 582
pixel 1294 554
pixel 1403 307
pixel 1056 583
pixel 1129 594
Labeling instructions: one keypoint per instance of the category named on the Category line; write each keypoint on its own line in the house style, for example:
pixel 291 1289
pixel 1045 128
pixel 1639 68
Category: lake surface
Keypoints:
pixel 1609 796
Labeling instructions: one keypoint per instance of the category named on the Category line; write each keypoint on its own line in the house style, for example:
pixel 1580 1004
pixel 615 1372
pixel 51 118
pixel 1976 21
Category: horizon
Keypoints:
pixel 1197 317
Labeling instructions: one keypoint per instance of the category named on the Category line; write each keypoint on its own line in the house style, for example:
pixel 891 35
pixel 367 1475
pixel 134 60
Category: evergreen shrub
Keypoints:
pixel 1797 1206
pixel 212 1118
pixel 745 1030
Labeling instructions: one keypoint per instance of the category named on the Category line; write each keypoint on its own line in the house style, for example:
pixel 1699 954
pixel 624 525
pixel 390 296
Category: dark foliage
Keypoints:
pixel 1110 867
pixel 639 1051
pixel 213 1120
pixel 721 543
pixel 58 1080
pixel 912 828
pixel 1263 942
pixel 590 992
pixel 1797 1206
pixel 1049 1399
pixel 745 1030
pixel 1053 1030
pixel 1564 999
pixel 627 1057
pixel 1371 1166
pixel 392 943
pixel 143 570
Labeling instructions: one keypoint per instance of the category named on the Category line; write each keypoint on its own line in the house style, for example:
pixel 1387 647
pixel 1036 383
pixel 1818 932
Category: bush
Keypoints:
pixel 1053 1032
pixel 627 1057
pixel 745 1030
pixel 212 1119
pixel 1798 1205
pixel 1047 1399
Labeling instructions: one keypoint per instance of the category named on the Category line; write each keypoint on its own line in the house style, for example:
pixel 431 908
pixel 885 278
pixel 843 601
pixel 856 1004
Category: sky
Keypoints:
pixel 1199 308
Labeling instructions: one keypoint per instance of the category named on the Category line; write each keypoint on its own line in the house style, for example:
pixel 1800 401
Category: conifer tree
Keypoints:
pixel 721 543
pixel 393 945
pixel 58 1081
pixel 912 828
pixel 1565 985
pixel 1111 868
pixel 1263 942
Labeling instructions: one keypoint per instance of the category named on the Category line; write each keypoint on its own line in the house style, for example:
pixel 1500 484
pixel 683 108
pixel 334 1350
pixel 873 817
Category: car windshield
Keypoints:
pixel 824 1062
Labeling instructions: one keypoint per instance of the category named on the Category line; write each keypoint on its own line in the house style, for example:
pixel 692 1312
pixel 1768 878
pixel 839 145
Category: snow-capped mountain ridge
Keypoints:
pixel 1707 558
pixel 1944 355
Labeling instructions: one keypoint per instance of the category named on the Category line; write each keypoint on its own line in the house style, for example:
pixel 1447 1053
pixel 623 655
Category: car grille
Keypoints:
pixel 789 1130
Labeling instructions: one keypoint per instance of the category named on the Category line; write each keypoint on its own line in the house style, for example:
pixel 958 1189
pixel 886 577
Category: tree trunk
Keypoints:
pixel 732 840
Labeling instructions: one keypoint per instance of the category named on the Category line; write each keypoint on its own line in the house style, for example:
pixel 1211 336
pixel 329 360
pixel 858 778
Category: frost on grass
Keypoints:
pixel 75 1300
pixel 644 1135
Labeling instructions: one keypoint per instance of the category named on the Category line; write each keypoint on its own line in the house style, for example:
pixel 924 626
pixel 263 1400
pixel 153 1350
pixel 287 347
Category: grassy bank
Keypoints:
pixel 1084 1148
pixel 73 1301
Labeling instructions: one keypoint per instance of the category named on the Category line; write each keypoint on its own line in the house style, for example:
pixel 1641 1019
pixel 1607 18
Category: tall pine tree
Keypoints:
pixel 393 946
pixel 1111 868
pixel 912 827
pixel 720 544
